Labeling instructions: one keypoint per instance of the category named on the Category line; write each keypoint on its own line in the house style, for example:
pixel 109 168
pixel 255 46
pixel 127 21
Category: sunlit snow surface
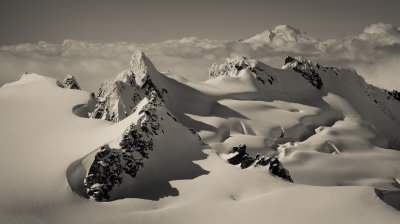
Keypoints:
pixel 331 151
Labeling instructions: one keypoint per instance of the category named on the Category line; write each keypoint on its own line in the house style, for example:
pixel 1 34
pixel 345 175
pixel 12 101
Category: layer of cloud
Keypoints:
pixel 374 53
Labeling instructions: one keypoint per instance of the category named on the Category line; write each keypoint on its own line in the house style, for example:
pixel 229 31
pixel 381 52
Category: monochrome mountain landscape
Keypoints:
pixel 252 143
pixel 149 112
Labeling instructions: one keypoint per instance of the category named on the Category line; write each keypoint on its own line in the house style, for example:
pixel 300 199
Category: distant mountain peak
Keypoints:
pixel 279 35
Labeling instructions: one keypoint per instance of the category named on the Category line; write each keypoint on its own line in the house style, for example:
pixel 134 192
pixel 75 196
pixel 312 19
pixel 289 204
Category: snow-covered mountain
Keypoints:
pixel 251 140
pixel 281 36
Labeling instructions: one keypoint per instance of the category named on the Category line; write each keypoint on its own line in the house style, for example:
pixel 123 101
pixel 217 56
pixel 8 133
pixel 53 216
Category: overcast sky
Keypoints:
pixel 153 21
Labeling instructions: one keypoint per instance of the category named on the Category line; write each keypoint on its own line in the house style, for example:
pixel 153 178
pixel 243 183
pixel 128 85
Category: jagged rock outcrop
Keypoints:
pixel 70 82
pixel 277 169
pixel 241 157
pixel 306 68
pixel 394 94
pixel 233 66
pixel 194 132
pixel 110 163
pixel 118 98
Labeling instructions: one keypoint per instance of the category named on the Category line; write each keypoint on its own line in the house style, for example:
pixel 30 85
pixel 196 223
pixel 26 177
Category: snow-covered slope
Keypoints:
pixel 317 126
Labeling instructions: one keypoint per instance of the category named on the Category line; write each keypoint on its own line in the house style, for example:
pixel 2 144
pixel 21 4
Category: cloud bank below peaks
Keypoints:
pixel 374 53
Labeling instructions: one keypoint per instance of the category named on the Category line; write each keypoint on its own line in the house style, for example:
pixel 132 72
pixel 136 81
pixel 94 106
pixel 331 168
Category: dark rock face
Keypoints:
pixel 104 174
pixel 289 59
pixel 245 160
pixel 277 169
pixel 241 153
pixel 312 77
pixel 111 163
pixel 262 161
pixel 393 95
pixel 306 68
pixel 70 82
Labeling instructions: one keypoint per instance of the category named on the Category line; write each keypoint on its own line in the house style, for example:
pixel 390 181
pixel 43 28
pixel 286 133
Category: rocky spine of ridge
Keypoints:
pixel 70 82
pixel 233 66
pixel 309 70
pixel 117 98
pixel 110 163
pixel 240 156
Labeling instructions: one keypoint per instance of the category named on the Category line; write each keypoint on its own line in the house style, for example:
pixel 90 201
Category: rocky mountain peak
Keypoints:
pixel 301 63
pixel 233 66
pixel 308 69
pixel 70 82
pixel 118 98
pixel 141 67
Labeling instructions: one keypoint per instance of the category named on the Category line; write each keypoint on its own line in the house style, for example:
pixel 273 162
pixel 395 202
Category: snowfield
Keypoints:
pixel 340 142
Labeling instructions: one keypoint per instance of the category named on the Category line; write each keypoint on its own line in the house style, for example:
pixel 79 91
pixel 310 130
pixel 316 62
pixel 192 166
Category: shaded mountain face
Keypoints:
pixel 129 153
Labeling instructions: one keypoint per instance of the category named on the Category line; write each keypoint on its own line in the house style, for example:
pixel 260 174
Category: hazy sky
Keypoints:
pixel 153 21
